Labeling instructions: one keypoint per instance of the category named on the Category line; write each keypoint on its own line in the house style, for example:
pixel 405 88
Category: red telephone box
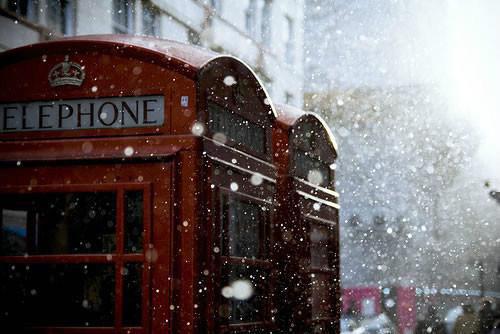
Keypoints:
pixel 306 199
pixel 138 190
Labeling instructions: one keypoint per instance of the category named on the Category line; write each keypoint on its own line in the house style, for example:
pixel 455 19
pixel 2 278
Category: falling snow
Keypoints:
pixel 409 90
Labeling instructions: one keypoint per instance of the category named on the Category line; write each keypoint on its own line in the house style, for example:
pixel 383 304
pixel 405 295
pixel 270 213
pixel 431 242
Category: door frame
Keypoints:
pixel 119 257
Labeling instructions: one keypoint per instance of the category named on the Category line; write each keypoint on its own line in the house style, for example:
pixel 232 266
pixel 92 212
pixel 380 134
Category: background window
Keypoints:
pixel 26 8
pixel 150 19
pixel 123 17
pixel 266 23
pixel 251 19
pixel 216 5
pixel 290 41
pixel 61 16
pixel 194 37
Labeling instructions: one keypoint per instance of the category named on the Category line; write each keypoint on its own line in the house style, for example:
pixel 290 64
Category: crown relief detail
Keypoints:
pixel 66 73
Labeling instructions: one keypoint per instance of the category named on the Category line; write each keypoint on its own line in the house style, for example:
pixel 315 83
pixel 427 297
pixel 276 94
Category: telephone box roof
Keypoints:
pixel 289 117
pixel 193 58
pixel 186 59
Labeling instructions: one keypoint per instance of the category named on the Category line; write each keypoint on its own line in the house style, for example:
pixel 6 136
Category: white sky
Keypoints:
pixel 474 73
pixel 453 44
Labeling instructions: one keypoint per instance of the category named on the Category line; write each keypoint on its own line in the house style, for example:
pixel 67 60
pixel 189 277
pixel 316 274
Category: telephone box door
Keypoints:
pixel 85 248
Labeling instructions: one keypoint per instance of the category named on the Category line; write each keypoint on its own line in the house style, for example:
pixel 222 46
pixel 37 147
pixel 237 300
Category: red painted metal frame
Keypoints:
pixel 249 193
pixel 52 184
pixel 264 263
pixel 295 198
pixel 178 169
pixel 119 258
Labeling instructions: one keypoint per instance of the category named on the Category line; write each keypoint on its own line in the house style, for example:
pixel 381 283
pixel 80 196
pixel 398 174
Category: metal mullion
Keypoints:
pixel 322 270
pixel 56 188
pixel 246 261
pixel 249 198
pixel 263 231
pixel 266 324
pixel 223 221
pixel 77 330
pixel 71 258
pixel 136 257
pixel 119 262
pixel 146 272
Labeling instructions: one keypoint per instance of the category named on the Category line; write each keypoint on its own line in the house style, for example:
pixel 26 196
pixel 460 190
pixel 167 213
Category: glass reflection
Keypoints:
pixel 57 295
pixel 246 301
pixel 322 239
pixel 134 228
pixel 57 223
pixel 245 233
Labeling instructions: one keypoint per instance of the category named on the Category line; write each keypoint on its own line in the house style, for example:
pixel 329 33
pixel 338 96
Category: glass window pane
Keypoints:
pixel 322 239
pixel 150 19
pixel 54 14
pixel 57 223
pixel 123 16
pixel 322 295
pixel 134 228
pixel 132 296
pixel 27 8
pixel 237 128
pixel 14 231
pixel 244 295
pixel 245 229
pixel 311 168
pixel 57 294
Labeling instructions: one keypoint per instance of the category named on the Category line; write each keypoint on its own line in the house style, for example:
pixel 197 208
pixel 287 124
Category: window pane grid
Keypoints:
pixel 244 229
pixel 238 130
pixel 58 223
pixel 245 263
pixel 125 271
pixel 322 271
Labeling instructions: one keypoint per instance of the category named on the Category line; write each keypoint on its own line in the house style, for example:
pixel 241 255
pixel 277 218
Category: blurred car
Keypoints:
pixel 380 324
pixel 451 317
pixel 347 324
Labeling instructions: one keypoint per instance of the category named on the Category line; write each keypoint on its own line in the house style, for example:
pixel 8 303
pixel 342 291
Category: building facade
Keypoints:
pixel 266 34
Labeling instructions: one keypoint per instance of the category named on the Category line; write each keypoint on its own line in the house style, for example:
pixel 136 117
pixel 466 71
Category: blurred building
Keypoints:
pixel 266 34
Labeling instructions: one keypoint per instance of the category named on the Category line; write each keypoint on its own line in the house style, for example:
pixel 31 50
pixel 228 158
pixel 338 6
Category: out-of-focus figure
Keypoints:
pixel 486 317
pixel 432 323
pixel 467 323
pixel 451 317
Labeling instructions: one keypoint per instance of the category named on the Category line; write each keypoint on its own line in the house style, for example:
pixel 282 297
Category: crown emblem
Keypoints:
pixel 66 73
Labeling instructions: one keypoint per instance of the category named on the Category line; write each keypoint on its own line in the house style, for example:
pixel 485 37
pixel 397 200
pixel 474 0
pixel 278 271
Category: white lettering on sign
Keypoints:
pixel 102 113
